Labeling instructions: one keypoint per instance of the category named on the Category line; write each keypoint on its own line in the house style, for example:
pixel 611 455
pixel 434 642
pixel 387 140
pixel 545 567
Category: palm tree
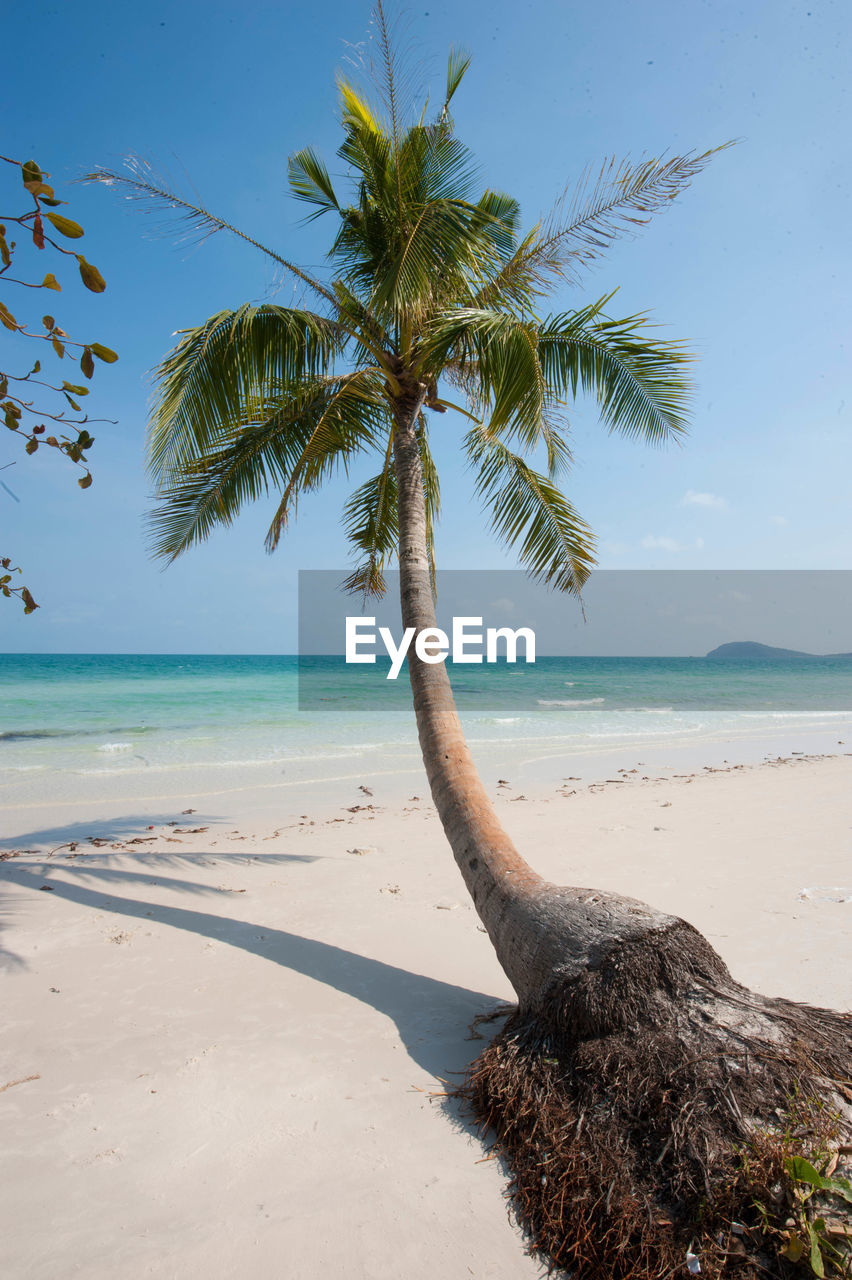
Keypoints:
pixel 433 307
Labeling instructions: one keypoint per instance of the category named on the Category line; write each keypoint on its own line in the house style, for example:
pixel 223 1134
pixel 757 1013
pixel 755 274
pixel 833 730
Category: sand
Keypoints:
pixel 227 1037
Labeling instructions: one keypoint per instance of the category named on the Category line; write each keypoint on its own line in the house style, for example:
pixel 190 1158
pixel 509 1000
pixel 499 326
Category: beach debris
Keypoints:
pixel 665 804
pixel 693 1265
pixel 414 797
pixel 390 888
pixel 24 1079
pixel 46 888
pixel 514 798
pixel 356 808
pixel 188 811
pixel 502 782
pixel 190 831
pixel 366 790
pixel 362 852
pixel 826 893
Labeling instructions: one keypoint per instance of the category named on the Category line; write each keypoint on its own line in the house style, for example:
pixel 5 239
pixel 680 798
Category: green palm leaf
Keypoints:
pixel 257 458
pixel 371 519
pixel 530 514
pixel 639 382
pixel 226 373
pixel 348 416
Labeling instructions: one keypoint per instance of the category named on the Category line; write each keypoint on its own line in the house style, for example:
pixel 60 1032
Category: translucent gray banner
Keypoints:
pixel 488 616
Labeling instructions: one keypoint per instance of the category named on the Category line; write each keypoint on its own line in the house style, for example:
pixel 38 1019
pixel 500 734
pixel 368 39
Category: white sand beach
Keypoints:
pixel 229 1032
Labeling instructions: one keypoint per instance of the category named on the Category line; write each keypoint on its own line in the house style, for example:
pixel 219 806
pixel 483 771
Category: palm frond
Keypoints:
pixel 494 356
pixel 457 65
pixel 622 196
pixel 310 181
pixel 349 416
pixel 640 382
pixel 226 372
pixel 142 186
pixel 528 512
pixel 371 521
pixel 615 201
pixel 254 460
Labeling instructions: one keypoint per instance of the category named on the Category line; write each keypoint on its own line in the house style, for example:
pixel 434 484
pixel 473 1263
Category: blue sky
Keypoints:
pixel 752 267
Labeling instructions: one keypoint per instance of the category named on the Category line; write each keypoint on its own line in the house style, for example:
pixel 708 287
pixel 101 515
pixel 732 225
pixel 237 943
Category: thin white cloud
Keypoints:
pixel 782 520
pixel 653 543
pixel 694 499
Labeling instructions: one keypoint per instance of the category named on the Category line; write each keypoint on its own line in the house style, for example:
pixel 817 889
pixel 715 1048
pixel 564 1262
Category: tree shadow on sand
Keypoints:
pixel 433 1017
pixel 116 829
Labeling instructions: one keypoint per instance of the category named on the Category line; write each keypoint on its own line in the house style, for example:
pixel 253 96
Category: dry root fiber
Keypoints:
pixel 648 1111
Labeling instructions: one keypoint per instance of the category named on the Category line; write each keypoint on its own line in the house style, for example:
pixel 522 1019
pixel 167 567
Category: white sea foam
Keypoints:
pixel 114 747
pixel 569 702
pixel 827 893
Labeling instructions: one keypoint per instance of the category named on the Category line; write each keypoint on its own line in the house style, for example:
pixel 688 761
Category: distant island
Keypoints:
pixel 741 650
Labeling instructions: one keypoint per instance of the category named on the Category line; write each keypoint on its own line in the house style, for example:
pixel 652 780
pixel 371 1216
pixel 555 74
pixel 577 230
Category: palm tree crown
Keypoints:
pixel 434 286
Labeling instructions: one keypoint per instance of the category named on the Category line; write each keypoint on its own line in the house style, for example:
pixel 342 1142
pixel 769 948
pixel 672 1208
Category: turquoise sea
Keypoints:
pixel 152 720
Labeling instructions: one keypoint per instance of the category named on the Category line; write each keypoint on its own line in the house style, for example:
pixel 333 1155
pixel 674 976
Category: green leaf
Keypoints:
pixel 85 481
pixel 816 1260
pixel 801 1170
pixel 103 353
pixel 233 369
pixel 528 511
pixel 58 347
pixel 7 319
pixel 90 275
pixel 65 226
pixel 48 322
pixel 31 446
pixel 78 391
pixel 30 172
pixel 50 282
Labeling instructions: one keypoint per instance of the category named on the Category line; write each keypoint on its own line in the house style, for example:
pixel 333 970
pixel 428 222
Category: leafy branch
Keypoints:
pixel 22 414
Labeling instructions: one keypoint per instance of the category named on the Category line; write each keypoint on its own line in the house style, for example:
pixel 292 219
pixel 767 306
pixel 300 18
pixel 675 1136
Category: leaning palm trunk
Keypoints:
pixel 650 1108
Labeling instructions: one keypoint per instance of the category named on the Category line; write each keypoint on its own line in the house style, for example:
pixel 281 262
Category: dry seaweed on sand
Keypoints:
pixel 657 1118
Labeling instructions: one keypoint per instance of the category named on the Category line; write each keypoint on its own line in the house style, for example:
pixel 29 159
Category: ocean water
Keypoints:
pixel 158 723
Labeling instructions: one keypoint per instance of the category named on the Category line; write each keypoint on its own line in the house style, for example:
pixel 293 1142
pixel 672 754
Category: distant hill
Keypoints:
pixel 741 650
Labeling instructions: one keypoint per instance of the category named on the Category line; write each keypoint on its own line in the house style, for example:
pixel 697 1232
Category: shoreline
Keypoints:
pixel 229 1038
pixel 272 795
